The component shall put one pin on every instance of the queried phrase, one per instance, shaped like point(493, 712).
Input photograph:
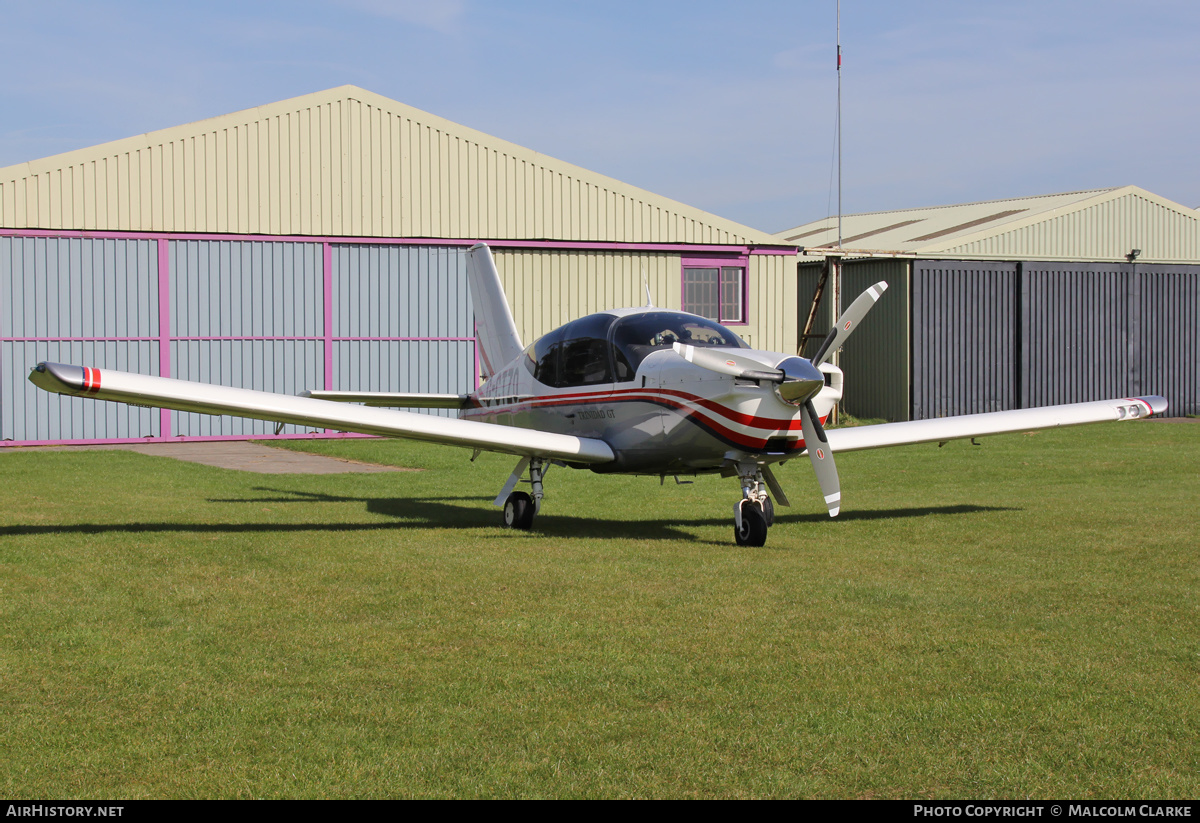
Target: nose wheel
point(749, 525)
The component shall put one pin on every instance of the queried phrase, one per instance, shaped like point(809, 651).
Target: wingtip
point(1157, 403)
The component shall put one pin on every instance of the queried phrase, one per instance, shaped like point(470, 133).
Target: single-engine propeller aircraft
point(635, 391)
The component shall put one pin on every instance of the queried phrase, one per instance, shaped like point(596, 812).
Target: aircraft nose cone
point(801, 382)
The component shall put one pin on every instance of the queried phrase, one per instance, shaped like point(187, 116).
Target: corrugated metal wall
point(995, 336)
point(1168, 335)
point(277, 316)
point(550, 287)
point(75, 300)
point(964, 343)
point(402, 320)
point(343, 162)
point(289, 315)
point(876, 357)
point(1094, 331)
point(1075, 319)
point(247, 314)
point(1108, 229)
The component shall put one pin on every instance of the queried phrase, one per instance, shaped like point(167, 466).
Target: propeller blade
point(724, 361)
point(822, 458)
point(848, 322)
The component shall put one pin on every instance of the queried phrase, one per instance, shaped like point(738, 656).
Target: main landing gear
point(755, 512)
point(520, 507)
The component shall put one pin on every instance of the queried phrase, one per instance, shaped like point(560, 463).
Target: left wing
point(394, 399)
point(184, 395)
point(978, 425)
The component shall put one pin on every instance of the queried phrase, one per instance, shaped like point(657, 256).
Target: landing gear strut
point(520, 507)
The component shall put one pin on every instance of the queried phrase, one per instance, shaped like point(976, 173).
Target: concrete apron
point(243, 456)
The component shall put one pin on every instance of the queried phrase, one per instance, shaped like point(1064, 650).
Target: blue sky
point(725, 106)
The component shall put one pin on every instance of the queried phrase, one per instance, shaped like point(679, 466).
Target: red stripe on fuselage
point(667, 398)
point(787, 424)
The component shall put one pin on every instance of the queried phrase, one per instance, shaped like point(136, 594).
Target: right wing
point(184, 395)
point(978, 425)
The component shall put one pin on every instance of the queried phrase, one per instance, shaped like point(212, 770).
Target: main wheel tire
point(753, 531)
point(518, 511)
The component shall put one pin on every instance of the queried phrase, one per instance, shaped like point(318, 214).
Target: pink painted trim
point(475, 352)
point(164, 327)
point(189, 439)
point(407, 339)
point(327, 313)
point(269, 337)
point(80, 339)
point(201, 339)
point(743, 248)
point(718, 260)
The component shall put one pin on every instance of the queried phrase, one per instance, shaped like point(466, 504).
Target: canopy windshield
point(637, 335)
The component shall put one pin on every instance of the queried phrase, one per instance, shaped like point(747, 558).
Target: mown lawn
point(1015, 619)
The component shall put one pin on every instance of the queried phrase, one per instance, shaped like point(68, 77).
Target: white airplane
point(644, 391)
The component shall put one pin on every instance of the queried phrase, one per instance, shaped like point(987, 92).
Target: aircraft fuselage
point(615, 377)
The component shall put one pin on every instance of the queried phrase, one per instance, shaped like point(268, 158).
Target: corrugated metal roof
point(1102, 224)
point(343, 162)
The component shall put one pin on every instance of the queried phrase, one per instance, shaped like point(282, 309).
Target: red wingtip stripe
point(91, 379)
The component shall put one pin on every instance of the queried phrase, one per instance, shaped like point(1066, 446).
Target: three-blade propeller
point(799, 382)
point(814, 434)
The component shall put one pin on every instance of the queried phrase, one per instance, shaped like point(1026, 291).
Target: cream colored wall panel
point(1105, 230)
point(549, 288)
point(341, 162)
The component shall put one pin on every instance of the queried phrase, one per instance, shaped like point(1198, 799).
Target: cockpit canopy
point(607, 348)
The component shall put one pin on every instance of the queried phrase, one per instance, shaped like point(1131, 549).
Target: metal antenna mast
point(838, 122)
point(836, 268)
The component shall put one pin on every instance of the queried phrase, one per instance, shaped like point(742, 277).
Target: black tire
point(768, 510)
point(518, 511)
point(754, 527)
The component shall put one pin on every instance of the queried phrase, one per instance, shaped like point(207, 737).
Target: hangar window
point(715, 289)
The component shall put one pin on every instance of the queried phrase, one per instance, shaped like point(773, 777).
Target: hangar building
point(1017, 303)
point(319, 242)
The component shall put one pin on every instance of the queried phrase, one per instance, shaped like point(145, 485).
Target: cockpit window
point(637, 335)
point(573, 355)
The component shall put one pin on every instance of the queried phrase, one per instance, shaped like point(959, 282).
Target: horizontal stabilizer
point(977, 425)
point(184, 395)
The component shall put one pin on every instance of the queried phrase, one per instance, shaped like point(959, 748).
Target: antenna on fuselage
point(646, 286)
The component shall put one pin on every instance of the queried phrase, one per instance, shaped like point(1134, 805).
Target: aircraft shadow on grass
point(444, 512)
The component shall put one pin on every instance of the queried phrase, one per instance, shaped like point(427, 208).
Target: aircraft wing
point(978, 425)
point(394, 399)
point(184, 395)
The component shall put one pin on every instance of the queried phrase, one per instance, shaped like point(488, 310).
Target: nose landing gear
point(755, 512)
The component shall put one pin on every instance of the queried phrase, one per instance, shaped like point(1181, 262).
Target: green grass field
point(1018, 619)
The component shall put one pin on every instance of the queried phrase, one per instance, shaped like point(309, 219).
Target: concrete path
point(242, 455)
